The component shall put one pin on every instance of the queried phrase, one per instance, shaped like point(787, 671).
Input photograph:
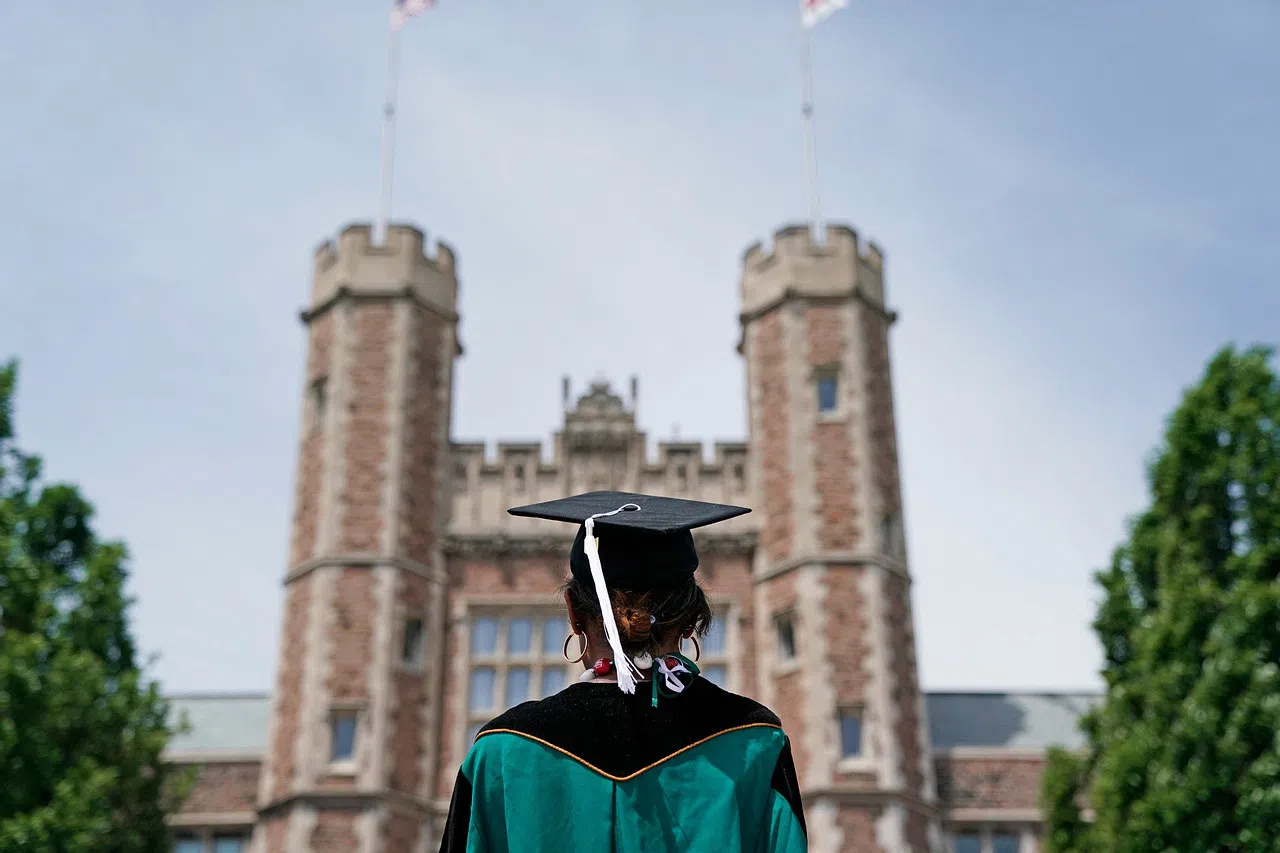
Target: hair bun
point(634, 623)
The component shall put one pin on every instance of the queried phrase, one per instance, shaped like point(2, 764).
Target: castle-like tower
point(352, 747)
point(832, 589)
point(416, 609)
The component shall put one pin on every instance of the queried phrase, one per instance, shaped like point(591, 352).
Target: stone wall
point(365, 547)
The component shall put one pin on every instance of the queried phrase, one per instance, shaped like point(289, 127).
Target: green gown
point(595, 769)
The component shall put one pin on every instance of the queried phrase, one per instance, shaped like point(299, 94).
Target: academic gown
point(594, 769)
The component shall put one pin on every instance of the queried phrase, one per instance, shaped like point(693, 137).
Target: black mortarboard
point(645, 546)
point(630, 542)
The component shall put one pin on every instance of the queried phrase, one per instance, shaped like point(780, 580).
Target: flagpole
point(806, 119)
point(388, 135)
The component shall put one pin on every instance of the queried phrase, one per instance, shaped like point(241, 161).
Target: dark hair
point(647, 618)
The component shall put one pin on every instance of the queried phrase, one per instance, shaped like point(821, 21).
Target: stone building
point(415, 609)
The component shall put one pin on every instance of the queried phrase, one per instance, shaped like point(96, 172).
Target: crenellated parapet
point(487, 479)
point(682, 467)
point(355, 265)
point(797, 266)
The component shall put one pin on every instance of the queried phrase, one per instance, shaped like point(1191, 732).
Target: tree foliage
point(1184, 752)
point(81, 730)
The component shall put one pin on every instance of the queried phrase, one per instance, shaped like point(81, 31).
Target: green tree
point(81, 730)
point(1184, 752)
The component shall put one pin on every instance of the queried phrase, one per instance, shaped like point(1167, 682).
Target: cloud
point(600, 173)
point(569, 187)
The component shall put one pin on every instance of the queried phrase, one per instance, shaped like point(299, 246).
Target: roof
point(1008, 720)
point(1024, 721)
point(222, 722)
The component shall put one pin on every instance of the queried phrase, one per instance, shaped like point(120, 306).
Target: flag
point(403, 10)
point(813, 11)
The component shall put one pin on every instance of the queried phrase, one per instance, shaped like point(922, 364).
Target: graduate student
point(642, 754)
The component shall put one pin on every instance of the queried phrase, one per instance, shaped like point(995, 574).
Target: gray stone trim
point(997, 815)
point(801, 412)
point(507, 545)
point(381, 677)
point(195, 820)
point(728, 544)
point(365, 294)
point(862, 797)
point(349, 799)
point(849, 558)
point(214, 756)
point(408, 292)
point(993, 753)
point(881, 689)
point(796, 294)
point(364, 561)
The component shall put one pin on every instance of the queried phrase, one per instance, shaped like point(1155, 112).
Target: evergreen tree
point(1184, 752)
point(81, 730)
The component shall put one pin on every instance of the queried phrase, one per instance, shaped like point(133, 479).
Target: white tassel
point(627, 672)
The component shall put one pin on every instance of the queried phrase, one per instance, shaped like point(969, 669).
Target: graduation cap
point(631, 542)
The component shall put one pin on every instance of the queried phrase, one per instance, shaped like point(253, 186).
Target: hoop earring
point(565, 651)
point(697, 649)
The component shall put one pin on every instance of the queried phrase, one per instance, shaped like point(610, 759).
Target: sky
point(1077, 201)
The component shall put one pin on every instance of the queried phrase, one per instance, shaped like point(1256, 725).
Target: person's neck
point(601, 651)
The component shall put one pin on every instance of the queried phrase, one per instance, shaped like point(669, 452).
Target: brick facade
point(395, 521)
point(282, 759)
point(857, 827)
point(409, 712)
point(426, 433)
point(767, 388)
point(728, 578)
point(224, 788)
point(815, 342)
point(351, 637)
point(451, 714)
point(365, 445)
point(848, 629)
point(881, 427)
point(334, 831)
point(835, 466)
point(909, 728)
point(990, 782)
point(365, 548)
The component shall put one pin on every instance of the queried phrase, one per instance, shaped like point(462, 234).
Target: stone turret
point(797, 266)
point(354, 263)
point(350, 763)
point(834, 629)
